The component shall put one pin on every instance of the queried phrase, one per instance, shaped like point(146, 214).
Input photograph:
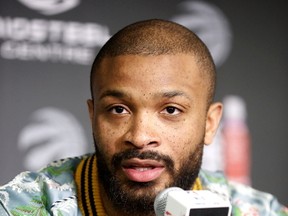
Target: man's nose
point(143, 132)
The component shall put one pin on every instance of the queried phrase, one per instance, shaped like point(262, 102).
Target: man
point(152, 111)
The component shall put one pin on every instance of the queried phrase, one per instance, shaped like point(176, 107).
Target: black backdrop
point(44, 76)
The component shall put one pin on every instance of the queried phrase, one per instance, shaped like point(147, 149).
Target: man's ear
point(214, 115)
point(91, 110)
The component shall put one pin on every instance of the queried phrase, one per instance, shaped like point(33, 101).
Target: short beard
point(124, 196)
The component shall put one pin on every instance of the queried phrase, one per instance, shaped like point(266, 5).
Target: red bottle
point(236, 140)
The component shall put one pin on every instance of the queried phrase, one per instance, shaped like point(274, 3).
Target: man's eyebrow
point(112, 93)
point(122, 94)
point(171, 94)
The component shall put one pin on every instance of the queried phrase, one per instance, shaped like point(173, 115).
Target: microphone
point(175, 201)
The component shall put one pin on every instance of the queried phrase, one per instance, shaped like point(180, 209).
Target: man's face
point(149, 119)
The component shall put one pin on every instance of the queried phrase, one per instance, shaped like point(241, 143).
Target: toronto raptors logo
point(50, 7)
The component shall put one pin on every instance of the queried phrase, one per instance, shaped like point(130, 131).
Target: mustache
point(149, 154)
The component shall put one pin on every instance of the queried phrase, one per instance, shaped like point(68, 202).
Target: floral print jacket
point(52, 191)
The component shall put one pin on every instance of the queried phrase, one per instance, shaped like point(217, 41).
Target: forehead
point(178, 65)
point(149, 72)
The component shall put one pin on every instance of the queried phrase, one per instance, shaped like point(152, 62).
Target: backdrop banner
point(47, 47)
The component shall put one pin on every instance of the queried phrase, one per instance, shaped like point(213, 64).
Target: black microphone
point(175, 201)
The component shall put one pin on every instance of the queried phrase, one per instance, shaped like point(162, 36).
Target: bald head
point(158, 37)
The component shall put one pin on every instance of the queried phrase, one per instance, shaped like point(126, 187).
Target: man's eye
point(171, 110)
point(118, 110)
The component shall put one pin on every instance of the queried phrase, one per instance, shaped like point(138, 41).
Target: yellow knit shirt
point(86, 178)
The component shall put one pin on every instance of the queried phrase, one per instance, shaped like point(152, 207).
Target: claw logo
point(56, 132)
point(50, 7)
point(210, 24)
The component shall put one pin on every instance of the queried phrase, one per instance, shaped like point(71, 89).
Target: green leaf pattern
point(51, 191)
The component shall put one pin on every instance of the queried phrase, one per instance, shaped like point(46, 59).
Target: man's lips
point(142, 170)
